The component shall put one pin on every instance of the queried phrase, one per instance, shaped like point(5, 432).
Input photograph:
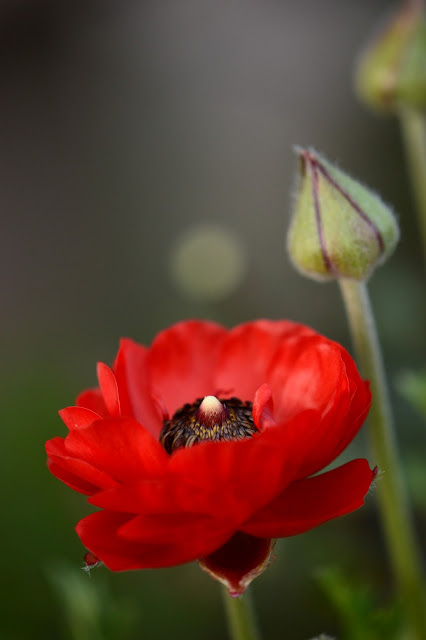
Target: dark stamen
point(192, 424)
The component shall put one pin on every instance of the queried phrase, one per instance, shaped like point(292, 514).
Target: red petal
point(99, 532)
point(226, 480)
point(181, 361)
point(109, 390)
point(92, 399)
point(71, 480)
point(310, 502)
point(315, 372)
point(263, 407)
point(334, 432)
point(174, 529)
point(131, 372)
point(122, 448)
point(244, 474)
point(305, 374)
point(239, 561)
point(169, 494)
point(77, 417)
point(359, 404)
point(246, 355)
point(77, 474)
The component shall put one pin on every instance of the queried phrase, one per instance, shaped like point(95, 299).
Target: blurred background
point(146, 176)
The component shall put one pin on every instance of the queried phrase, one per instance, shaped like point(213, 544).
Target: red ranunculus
point(290, 401)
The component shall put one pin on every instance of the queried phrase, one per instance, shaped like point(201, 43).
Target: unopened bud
point(339, 228)
point(391, 72)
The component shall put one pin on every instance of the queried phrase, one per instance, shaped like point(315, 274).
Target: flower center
point(210, 419)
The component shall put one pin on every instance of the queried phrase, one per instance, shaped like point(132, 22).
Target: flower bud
point(391, 72)
point(339, 228)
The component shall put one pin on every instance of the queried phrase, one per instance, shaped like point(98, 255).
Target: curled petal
point(263, 406)
point(306, 373)
point(77, 417)
point(109, 389)
point(323, 378)
point(307, 503)
point(92, 399)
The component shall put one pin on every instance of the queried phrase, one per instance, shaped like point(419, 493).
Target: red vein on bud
point(357, 208)
point(312, 168)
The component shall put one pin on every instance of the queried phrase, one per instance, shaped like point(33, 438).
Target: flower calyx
point(339, 228)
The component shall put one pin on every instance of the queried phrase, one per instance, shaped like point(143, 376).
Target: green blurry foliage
point(356, 606)
point(412, 386)
point(91, 612)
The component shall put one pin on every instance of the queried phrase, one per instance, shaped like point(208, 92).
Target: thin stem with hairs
point(391, 493)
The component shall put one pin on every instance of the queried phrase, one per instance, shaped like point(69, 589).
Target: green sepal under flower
point(391, 72)
point(339, 228)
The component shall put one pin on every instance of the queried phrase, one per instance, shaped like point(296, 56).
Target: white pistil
point(211, 411)
point(211, 408)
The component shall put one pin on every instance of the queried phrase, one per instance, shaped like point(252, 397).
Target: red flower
point(292, 398)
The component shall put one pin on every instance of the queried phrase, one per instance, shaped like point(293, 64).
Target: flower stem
point(391, 494)
point(413, 125)
point(241, 619)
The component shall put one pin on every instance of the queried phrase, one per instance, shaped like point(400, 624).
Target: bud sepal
point(339, 228)
point(391, 71)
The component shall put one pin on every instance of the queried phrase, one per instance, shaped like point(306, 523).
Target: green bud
point(339, 228)
point(391, 72)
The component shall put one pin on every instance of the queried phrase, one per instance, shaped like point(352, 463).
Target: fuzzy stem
point(413, 125)
point(241, 618)
point(391, 494)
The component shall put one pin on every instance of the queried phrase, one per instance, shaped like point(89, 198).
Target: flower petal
point(246, 355)
point(174, 529)
point(99, 532)
point(225, 480)
point(181, 361)
point(71, 480)
point(77, 417)
point(121, 448)
point(263, 406)
point(306, 373)
point(78, 474)
point(166, 495)
point(324, 377)
point(109, 390)
point(131, 372)
point(359, 403)
point(310, 502)
point(92, 399)
point(241, 475)
point(334, 432)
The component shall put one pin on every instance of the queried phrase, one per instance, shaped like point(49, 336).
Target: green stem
point(393, 503)
point(413, 125)
point(241, 619)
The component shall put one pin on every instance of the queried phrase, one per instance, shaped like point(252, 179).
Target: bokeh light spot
point(208, 263)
